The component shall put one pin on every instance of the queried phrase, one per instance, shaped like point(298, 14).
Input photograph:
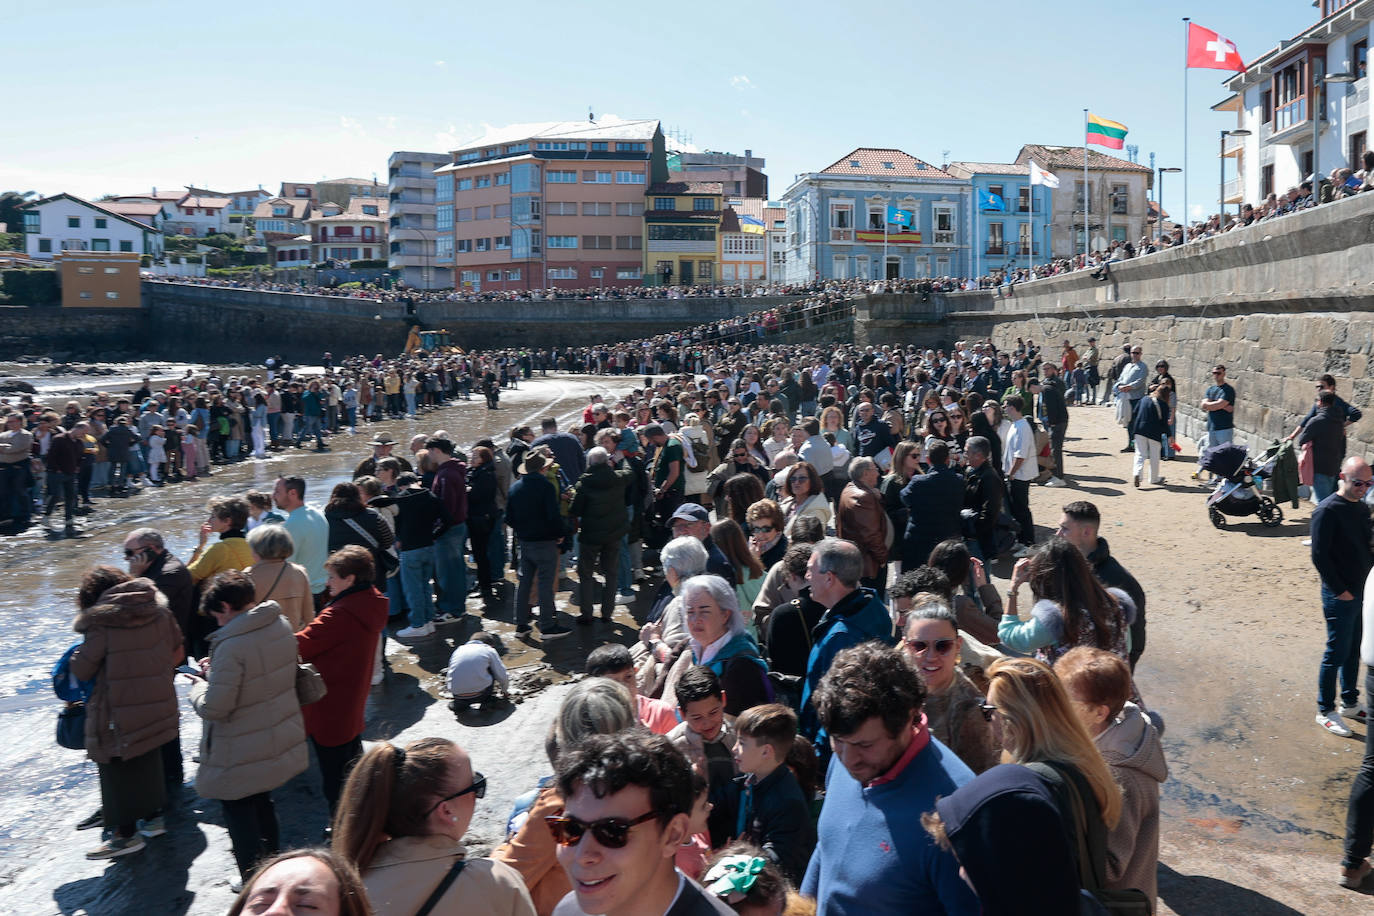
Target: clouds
point(742, 83)
point(441, 65)
point(351, 125)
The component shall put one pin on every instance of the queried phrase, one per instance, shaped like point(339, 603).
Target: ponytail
point(389, 794)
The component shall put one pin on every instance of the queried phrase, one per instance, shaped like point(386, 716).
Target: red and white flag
point(1209, 51)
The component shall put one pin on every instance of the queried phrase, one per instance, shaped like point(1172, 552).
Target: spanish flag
point(1106, 133)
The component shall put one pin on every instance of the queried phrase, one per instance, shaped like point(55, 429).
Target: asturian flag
point(898, 217)
point(1042, 176)
point(990, 201)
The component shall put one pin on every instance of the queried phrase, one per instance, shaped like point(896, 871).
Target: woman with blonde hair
point(401, 821)
point(1036, 724)
point(832, 421)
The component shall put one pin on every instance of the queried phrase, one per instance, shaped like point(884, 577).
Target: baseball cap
point(692, 512)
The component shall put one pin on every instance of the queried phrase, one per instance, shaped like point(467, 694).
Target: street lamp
point(1159, 218)
point(1317, 80)
point(1221, 188)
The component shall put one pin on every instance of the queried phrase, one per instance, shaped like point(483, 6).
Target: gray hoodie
point(1131, 748)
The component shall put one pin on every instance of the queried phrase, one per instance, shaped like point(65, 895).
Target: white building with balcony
point(352, 233)
point(65, 222)
point(410, 190)
point(1305, 103)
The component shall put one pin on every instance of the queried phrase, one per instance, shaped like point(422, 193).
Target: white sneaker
point(1332, 723)
point(1356, 712)
point(1307, 542)
point(625, 599)
point(416, 632)
point(1055, 482)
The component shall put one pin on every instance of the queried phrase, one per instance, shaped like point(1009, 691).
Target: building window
point(86, 294)
point(629, 177)
point(483, 245)
point(703, 204)
point(1357, 148)
point(443, 217)
point(562, 177)
point(562, 273)
point(629, 242)
point(944, 225)
point(596, 242)
point(525, 178)
point(1290, 95)
point(672, 233)
point(839, 267)
point(629, 273)
point(482, 181)
point(513, 274)
point(629, 147)
point(481, 213)
point(1359, 58)
point(1024, 237)
point(100, 244)
point(443, 247)
point(101, 223)
point(1022, 199)
point(517, 148)
point(1119, 199)
point(562, 241)
point(501, 243)
point(596, 209)
point(994, 238)
point(1266, 106)
point(463, 215)
point(500, 211)
point(85, 270)
point(562, 208)
point(369, 209)
point(1078, 197)
point(1118, 233)
point(33, 221)
point(842, 222)
point(502, 178)
point(591, 176)
point(665, 203)
point(471, 276)
point(73, 222)
point(465, 246)
point(624, 208)
point(45, 246)
point(465, 184)
point(111, 294)
point(443, 188)
point(126, 245)
point(599, 146)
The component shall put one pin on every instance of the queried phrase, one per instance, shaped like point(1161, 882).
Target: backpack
point(65, 685)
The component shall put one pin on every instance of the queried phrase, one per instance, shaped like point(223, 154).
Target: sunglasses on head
point(611, 832)
point(940, 646)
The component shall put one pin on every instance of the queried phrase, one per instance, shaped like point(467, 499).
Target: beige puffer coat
point(254, 737)
point(131, 649)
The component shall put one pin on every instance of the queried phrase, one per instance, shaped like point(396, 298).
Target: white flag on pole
point(1041, 176)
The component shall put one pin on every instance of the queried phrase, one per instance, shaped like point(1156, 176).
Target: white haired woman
point(720, 641)
point(665, 630)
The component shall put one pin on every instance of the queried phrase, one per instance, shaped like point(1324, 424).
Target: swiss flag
point(1209, 51)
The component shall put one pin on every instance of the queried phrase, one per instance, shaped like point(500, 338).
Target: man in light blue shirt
point(1131, 386)
point(309, 532)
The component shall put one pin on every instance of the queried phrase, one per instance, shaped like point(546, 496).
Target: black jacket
point(1341, 532)
point(342, 534)
point(789, 633)
point(775, 816)
point(600, 504)
point(482, 491)
point(983, 494)
point(532, 509)
point(933, 501)
point(1326, 432)
point(419, 517)
point(1056, 411)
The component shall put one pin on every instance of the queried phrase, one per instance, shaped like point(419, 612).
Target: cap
point(382, 439)
point(691, 512)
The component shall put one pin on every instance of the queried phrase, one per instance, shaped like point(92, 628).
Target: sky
point(128, 96)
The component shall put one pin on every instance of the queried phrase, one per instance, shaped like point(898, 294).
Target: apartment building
point(553, 204)
point(355, 232)
point(411, 236)
point(682, 226)
point(65, 222)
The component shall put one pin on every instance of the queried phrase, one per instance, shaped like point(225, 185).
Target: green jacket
point(600, 504)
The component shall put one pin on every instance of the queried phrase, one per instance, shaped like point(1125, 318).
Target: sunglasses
point(130, 554)
point(941, 646)
point(478, 788)
point(1357, 482)
point(610, 832)
point(761, 529)
point(987, 709)
point(741, 455)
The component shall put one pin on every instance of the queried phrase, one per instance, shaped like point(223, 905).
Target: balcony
point(1234, 146)
point(841, 235)
point(943, 238)
point(996, 249)
point(1234, 189)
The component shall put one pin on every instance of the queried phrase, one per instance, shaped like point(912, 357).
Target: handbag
point(391, 562)
point(310, 686)
point(449, 877)
point(71, 726)
point(1306, 466)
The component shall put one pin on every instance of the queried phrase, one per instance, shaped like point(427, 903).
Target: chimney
point(748, 154)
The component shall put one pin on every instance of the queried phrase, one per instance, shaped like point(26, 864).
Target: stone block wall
point(85, 334)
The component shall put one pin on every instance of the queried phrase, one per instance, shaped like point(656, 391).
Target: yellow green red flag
point(1103, 132)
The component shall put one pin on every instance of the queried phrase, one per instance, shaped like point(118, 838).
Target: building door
point(685, 273)
point(894, 268)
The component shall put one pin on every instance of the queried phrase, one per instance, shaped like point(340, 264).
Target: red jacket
point(341, 643)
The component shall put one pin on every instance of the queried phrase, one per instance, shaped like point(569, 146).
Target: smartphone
point(187, 669)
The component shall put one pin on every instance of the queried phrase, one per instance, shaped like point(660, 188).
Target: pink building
point(557, 204)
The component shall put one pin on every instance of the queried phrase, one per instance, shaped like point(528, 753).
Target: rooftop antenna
point(944, 153)
point(1132, 152)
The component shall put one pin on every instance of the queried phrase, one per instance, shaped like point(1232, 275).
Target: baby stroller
point(1237, 493)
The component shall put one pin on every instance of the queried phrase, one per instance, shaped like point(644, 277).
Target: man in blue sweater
point(532, 510)
point(872, 855)
point(1341, 533)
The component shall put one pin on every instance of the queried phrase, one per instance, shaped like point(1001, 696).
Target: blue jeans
point(1323, 485)
point(537, 558)
point(310, 426)
point(395, 595)
point(1216, 437)
point(15, 499)
point(1342, 655)
point(417, 568)
point(274, 426)
point(451, 565)
point(410, 403)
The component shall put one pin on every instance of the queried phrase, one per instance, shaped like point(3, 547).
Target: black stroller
point(1237, 493)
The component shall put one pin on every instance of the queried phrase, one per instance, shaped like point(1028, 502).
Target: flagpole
point(1087, 198)
point(1030, 234)
point(1186, 20)
point(885, 219)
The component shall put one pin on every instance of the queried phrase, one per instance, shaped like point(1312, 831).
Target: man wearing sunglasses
point(628, 807)
point(1341, 532)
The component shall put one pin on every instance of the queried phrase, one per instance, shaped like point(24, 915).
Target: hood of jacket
point(129, 604)
point(599, 477)
point(1132, 742)
point(254, 618)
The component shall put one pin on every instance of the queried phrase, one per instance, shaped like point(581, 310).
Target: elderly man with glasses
point(1341, 534)
point(1130, 384)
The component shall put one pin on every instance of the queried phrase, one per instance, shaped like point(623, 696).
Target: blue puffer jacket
point(858, 617)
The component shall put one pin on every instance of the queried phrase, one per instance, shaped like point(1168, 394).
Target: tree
point(11, 204)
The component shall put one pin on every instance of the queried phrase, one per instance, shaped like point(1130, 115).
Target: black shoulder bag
point(452, 875)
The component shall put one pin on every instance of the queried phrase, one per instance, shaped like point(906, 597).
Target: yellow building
point(682, 222)
point(99, 279)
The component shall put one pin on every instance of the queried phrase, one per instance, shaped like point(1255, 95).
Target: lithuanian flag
point(1106, 133)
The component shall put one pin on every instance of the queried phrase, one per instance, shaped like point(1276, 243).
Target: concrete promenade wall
point(88, 333)
point(1278, 303)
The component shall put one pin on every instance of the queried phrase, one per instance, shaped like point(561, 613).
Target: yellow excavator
point(431, 342)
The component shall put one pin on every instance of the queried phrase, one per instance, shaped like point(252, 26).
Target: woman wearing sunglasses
point(953, 706)
point(401, 820)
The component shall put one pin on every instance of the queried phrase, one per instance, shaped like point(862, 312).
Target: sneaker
point(1055, 482)
point(623, 598)
point(1356, 712)
point(1354, 877)
point(1136, 481)
point(558, 632)
point(416, 632)
point(153, 826)
point(444, 617)
point(1307, 542)
point(1332, 723)
point(524, 630)
point(235, 883)
point(93, 820)
point(117, 846)
point(378, 676)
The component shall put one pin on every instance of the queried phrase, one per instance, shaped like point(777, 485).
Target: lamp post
point(1319, 113)
point(1160, 218)
point(1221, 188)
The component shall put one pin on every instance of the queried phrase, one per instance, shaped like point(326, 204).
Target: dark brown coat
point(131, 648)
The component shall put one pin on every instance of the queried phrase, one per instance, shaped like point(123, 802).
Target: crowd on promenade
point(829, 707)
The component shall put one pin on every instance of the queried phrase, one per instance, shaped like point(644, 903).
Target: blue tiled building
point(1001, 238)
point(835, 219)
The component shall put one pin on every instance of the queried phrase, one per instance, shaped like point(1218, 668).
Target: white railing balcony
point(841, 235)
point(1233, 191)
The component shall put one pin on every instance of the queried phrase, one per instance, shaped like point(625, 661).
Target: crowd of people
point(829, 707)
